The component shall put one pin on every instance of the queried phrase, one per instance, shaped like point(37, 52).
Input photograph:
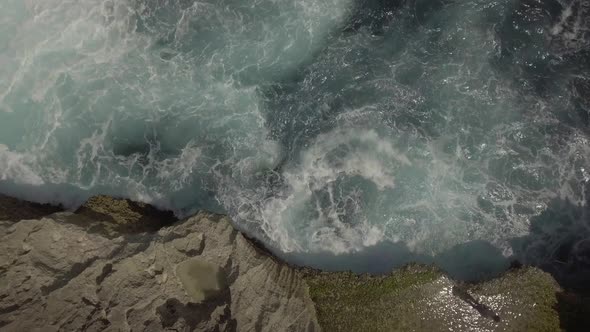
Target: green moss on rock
point(112, 216)
point(422, 298)
point(348, 302)
point(413, 298)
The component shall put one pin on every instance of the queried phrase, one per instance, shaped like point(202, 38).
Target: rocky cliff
point(117, 265)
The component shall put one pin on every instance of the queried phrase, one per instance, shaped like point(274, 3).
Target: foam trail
point(316, 209)
point(328, 129)
point(114, 94)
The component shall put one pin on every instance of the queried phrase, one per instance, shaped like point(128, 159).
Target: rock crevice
point(116, 265)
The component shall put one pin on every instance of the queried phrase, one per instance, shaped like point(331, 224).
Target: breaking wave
point(320, 126)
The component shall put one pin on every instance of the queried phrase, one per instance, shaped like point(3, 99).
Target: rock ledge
point(117, 265)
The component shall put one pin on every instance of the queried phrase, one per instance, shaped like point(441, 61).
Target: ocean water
point(327, 129)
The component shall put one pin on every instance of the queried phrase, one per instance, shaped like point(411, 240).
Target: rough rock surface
point(422, 298)
point(199, 274)
point(116, 265)
point(113, 217)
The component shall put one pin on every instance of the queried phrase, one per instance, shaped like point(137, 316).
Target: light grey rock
point(118, 265)
point(199, 274)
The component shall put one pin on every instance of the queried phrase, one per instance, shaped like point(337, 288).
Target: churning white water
point(323, 127)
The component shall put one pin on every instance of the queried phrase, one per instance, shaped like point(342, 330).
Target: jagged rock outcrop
point(116, 265)
point(199, 274)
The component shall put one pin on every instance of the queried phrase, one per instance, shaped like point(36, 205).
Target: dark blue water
point(328, 129)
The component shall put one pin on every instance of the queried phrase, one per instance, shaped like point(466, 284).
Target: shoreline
point(415, 296)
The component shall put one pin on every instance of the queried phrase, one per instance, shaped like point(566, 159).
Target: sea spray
point(321, 127)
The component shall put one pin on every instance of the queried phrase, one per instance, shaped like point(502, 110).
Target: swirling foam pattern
point(318, 125)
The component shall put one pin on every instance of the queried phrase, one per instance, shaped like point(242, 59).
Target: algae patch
point(348, 302)
point(422, 298)
point(112, 216)
point(202, 280)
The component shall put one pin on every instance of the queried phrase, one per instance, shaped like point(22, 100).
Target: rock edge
point(113, 266)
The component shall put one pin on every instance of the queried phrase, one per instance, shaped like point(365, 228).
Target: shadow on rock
point(195, 316)
point(14, 209)
point(559, 243)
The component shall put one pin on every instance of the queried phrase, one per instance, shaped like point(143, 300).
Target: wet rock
point(113, 216)
point(61, 273)
point(422, 298)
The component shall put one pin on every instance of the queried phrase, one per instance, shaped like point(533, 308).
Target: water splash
point(319, 126)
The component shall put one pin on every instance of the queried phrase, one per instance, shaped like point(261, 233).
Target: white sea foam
point(429, 132)
point(15, 166)
point(103, 105)
point(314, 211)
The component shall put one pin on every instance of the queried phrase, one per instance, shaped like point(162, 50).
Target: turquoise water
point(320, 126)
